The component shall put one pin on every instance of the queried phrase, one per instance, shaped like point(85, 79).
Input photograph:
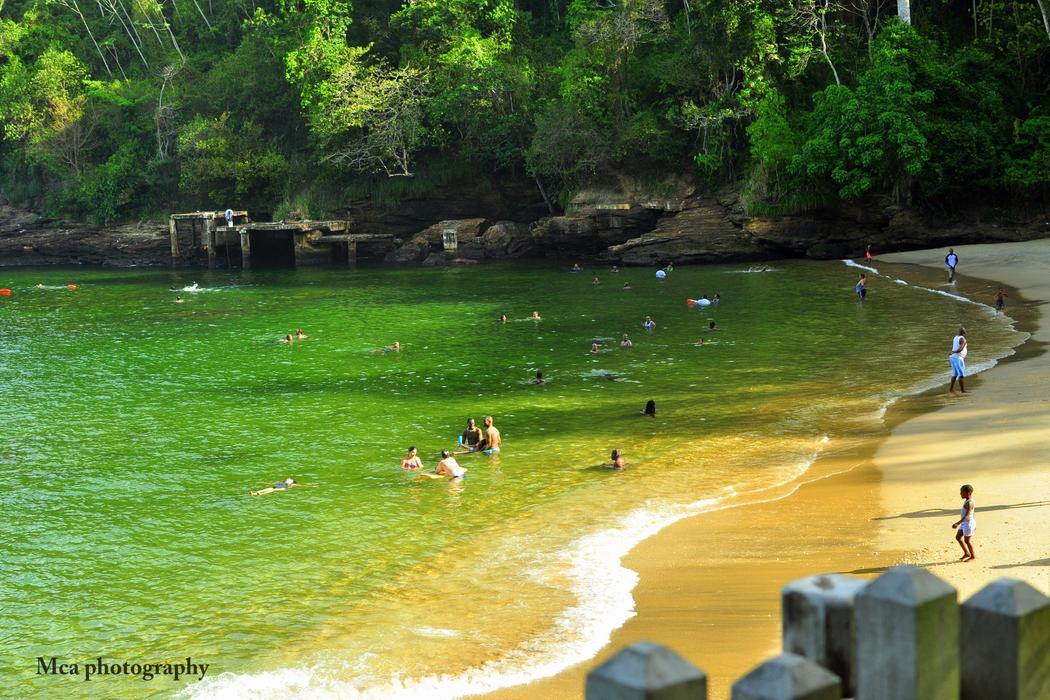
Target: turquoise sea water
point(132, 429)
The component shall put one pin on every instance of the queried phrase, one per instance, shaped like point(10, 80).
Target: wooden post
point(907, 637)
point(351, 252)
point(788, 677)
point(173, 237)
point(817, 619)
point(646, 671)
point(246, 249)
point(1006, 643)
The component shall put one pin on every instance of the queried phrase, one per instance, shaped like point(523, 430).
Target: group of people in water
point(472, 440)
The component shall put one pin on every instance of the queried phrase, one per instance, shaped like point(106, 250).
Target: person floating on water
point(299, 335)
point(536, 316)
point(595, 348)
point(39, 285)
point(862, 287)
point(471, 437)
point(618, 462)
point(957, 358)
point(650, 409)
point(867, 253)
point(626, 342)
point(576, 268)
point(649, 324)
point(1000, 300)
point(614, 269)
point(699, 342)
point(966, 523)
point(178, 300)
point(396, 347)
point(279, 486)
point(448, 466)
point(627, 285)
point(493, 440)
point(538, 379)
point(286, 340)
point(951, 260)
point(411, 461)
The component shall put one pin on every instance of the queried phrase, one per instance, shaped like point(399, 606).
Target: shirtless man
point(493, 440)
point(448, 466)
point(471, 436)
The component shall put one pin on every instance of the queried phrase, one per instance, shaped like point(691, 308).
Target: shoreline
point(720, 609)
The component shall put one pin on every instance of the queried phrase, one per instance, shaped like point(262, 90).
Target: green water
point(132, 428)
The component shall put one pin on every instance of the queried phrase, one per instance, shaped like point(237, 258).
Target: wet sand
point(709, 585)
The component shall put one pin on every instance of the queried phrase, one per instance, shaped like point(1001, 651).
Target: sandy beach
point(709, 585)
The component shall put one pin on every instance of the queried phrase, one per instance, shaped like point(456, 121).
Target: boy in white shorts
point(966, 523)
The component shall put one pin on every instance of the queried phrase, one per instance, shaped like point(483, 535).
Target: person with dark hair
point(966, 523)
point(862, 287)
point(538, 379)
point(957, 358)
point(448, 466)
point(279, 486)
point(471, 437)
point(618, 462)
point(411, 461)
point(951, 260)
point(650, 408)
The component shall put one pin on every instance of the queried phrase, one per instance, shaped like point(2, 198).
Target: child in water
point(966, 523)
point(618, 462)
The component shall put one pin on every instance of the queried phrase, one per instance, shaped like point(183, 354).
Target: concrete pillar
point(817, 621)
point(907, 626)
point(209, 241)
point(646, 671)
point(246, 250)
point(173, 238)
point(788, 677)
point(1005, 643)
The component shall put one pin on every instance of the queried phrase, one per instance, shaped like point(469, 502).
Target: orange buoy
point(72, 286)
point(5, 292)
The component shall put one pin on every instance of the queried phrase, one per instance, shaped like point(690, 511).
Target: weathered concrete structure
point(817, 622)
point(788, 677)
point(248, 244)
point(647, 671)
point(1005, 642)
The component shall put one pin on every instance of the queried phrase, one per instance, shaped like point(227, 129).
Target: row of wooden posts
point(903, 636)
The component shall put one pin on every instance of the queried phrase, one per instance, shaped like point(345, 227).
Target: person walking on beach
point(966, 523)
point(867, 254)
point(1000, 301)
point(951, 260)
point(957, 358)
point(493, 440)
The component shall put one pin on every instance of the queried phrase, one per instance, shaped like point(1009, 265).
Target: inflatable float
point(698, 302)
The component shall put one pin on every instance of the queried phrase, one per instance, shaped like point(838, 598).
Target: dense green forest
point(123, 109)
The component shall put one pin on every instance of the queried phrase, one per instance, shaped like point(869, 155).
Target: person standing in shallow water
point(862, 287)
point(957, 358)
point(493, 440)
point(951, 260)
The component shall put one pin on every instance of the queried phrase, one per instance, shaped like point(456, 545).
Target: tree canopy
point(119, 109)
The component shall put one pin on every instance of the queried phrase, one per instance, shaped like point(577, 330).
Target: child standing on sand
point(966, 523)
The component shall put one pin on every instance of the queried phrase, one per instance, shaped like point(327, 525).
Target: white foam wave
point(851, 263)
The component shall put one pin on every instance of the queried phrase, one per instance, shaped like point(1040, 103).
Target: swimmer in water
point(299, 335)
point(699, 342)
point(711, 326)
point(178, 300)
point(448, 466)
point(614, 269)
point(279, 486)
point(538, 379)
point(650, 409)
point(39, 285)
point(411, 461)
point(717, 299)
point(626, 342)
point(618, 462)
point(595, 282)
point(595, 349)
point(536, 316)
point(862, 287)
point(503, 318)
point(649, 323)
point(627, 285)
point(286, 340)
point(396, 347)
point(575, 268)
